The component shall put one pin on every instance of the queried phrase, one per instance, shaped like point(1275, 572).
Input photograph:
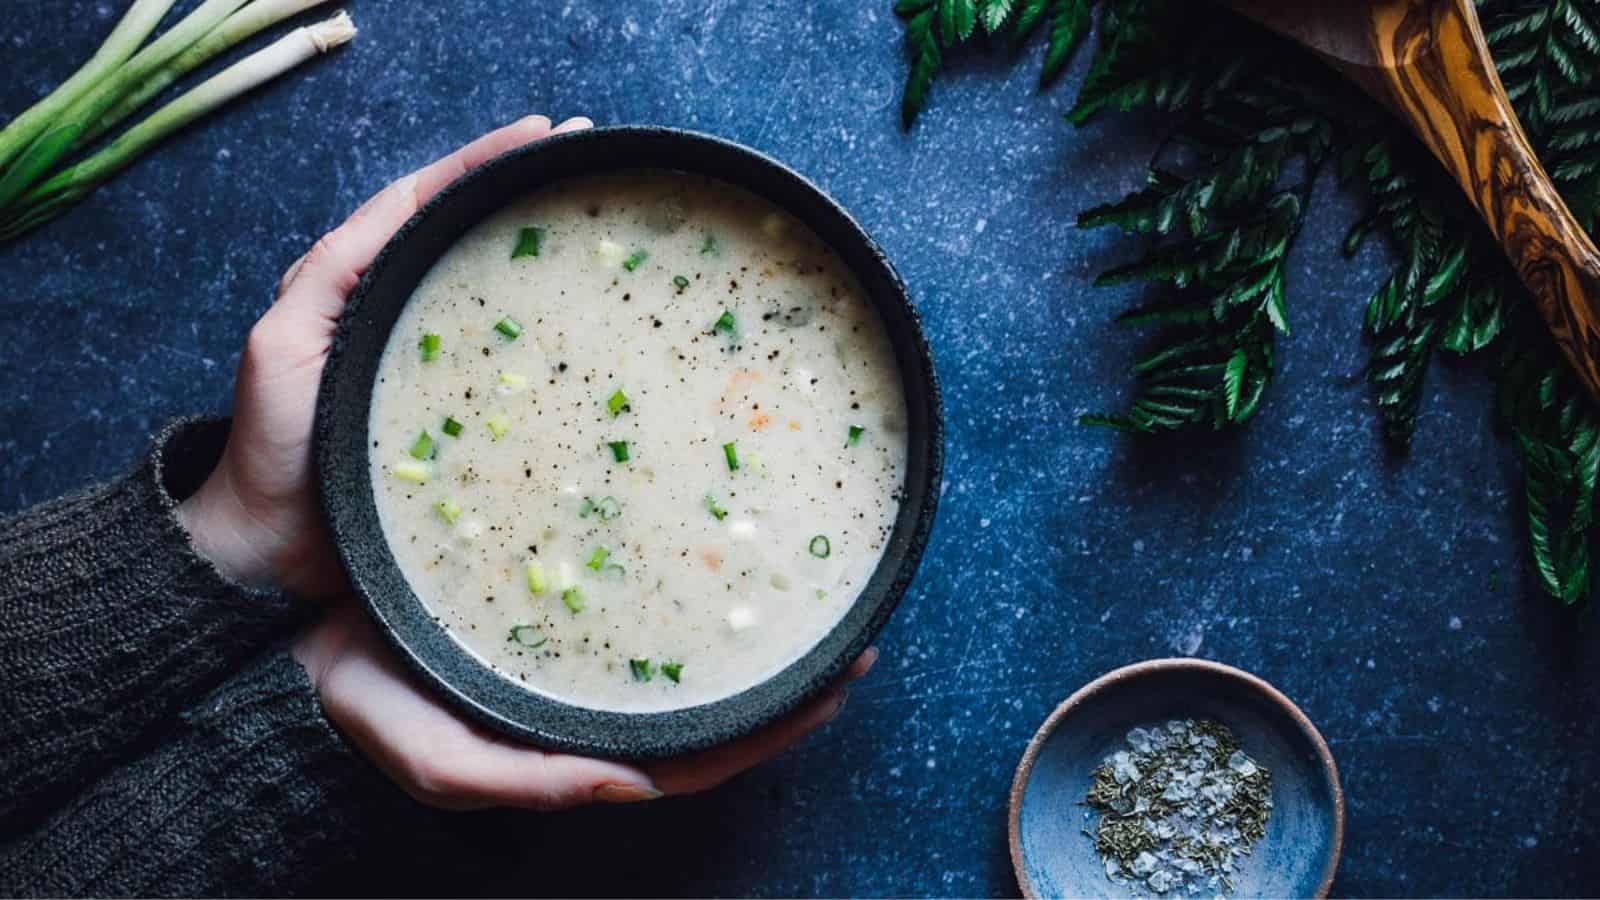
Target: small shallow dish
point(1300, 852)
point(345, 398)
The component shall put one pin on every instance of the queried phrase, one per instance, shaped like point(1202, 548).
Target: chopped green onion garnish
point(680, 282)
point(449, 510)
point(641, 669)
point(607, 507)
point(429, 345)
point(597, 559)
point(614, 569)
point(525, 634)
point(513, 379)
point(820, 546)
point(410, 470)
point(672, 670)
point(855, 436)
point(710, 246)
point(619, 450)
point(731, 454)
point(508, 327)
point(451, 427)
point(725, 323)
point(618, 402)
point(573, 598)
point(499, 424)
point(528, 240)
point(714, 509)
point(635, 260)
point(534, 571)
point(422, 447)
point(822, 594)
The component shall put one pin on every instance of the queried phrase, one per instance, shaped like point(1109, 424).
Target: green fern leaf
point(926, 59)
point(1233, 381)
point(1068, 24)
point(957, 19)
point(994, 14)
point(1029, 15)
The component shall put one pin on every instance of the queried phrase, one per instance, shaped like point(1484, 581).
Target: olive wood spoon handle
point(1428, 62)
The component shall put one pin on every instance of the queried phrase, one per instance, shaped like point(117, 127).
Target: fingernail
point(871, 657)
point(624, 793)
point(837, 707)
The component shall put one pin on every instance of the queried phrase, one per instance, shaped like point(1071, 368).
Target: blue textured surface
point(1290, 860)
point(1389, 599)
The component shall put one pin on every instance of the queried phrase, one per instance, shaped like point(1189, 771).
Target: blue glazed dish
point(1300, 852)
point(344, 404)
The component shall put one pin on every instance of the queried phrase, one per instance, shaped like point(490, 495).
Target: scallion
point(680, 282)
point(718, 512)
point(451, 426)
point(411, 470)
point(641, 669)
point(499, 424)
point(429, 345)
point(528, 241)
point(26, 201)
point(422, 447)
point(635, 260)
point(731, 454)
point(607, 508)
point(619, 450)
point(673, 670)
point(597, 559)
point(533, 572)
point(509, 327)
point(618, 403)
point(573, 598)
point(524, 635)
point(855, 436)
point(726, 324)
point(710, 246)
point(448, 510)
point(820, 546)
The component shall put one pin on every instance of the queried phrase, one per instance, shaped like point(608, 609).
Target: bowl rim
point(459, 676)
point(1019, 781)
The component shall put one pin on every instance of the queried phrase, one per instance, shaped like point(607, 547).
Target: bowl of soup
point(630, 441)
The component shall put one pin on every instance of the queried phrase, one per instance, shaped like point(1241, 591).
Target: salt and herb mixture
point(1179, 808)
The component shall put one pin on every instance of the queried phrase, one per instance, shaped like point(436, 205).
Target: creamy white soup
point(638, 441)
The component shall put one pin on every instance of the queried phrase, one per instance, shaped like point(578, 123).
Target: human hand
point(447, 762)
point(257, 517)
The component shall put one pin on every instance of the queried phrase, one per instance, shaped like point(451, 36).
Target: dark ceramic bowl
point(1296, 858)
point(346, 394)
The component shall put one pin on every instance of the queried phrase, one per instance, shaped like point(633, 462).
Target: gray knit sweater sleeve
point(156, 738)
point(110, 624)
point(251, 793)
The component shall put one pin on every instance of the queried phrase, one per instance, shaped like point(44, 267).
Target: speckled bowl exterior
point(345, 399)
point(1300, 852)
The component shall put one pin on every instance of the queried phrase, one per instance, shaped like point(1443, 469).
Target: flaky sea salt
point(1179, 808)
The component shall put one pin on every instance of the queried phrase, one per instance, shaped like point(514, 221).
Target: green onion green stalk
point(121, 78)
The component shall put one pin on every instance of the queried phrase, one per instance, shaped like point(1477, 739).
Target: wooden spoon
point(1427, 61)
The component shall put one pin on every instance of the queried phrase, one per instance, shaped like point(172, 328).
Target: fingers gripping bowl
point(630, 440)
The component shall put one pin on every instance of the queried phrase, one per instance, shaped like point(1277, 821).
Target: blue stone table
point(1388, 597)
